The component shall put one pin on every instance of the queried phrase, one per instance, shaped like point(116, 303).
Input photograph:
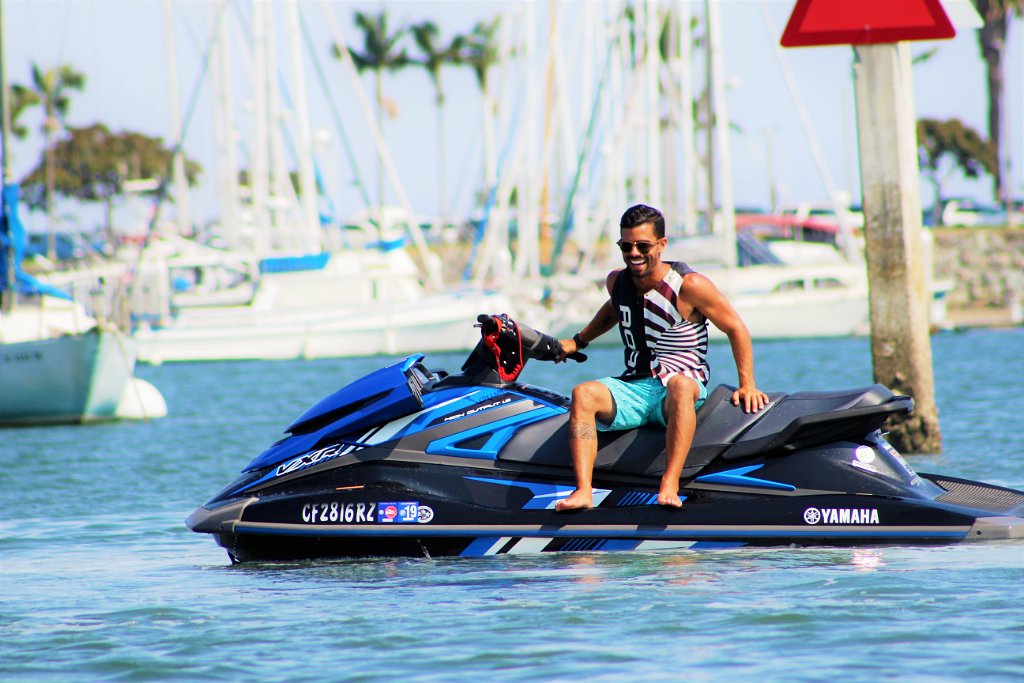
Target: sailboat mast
point(311, 241)
point(259, 183)
point(652, 122)
point(5, 165)
point(223, 129)
point(528, 262)
point(181, 199)
point(721, 141)
point(5, 104)
point(686, 125)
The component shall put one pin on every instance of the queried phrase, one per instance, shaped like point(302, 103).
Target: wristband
point(580, 344)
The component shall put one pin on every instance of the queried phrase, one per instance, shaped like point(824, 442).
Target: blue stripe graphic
point(635, 498)
point(500, 432)
point(738, 477)
point(480, 546)
point(620, 544)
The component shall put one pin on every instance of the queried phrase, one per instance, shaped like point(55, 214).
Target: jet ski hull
point(434, 510)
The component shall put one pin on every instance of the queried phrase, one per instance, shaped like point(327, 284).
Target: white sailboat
point(356, 302)
point(57, 364)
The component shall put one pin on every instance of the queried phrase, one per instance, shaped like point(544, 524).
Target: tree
point(52, 88)
point(381, 52)
point(434, 56)
point(92, 164)
point(992, 41)
point(22, 98)
point(481, 50)
point(945, 146)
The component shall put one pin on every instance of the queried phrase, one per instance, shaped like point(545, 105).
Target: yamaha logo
point(833, 516)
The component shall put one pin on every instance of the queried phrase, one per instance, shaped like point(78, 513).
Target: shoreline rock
point(986, 267)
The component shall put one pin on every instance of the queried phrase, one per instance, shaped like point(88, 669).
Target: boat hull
point(433, 324)
point(64, 380)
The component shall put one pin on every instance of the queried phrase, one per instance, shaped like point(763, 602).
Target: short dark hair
point(640, 214)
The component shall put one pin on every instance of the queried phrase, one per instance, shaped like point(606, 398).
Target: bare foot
point(669, 497)
point(577, 500)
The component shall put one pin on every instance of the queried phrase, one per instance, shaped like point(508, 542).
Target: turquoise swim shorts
point(638, 402)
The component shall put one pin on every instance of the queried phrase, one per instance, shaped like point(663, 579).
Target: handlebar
point(536, 344)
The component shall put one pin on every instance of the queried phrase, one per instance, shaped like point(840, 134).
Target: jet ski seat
point(639, 451)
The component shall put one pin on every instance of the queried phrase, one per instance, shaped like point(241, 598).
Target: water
point(100, 580)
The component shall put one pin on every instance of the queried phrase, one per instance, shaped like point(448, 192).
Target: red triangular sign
point(864, 22)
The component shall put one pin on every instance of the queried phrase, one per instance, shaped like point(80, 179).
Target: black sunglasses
point(642, 247)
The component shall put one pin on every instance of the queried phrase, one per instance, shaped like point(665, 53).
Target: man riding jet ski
point(408, 461)
point(662, 310)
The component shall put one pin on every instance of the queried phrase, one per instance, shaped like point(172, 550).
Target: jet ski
point(409, 461)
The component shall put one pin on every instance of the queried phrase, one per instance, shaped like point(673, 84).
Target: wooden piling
point(900, 343)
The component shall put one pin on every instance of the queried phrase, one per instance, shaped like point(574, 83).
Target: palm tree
point(992, 41)
point(52, 89)
point(381, 52)
point(481, 53)
point(22, 98)
point(434, 57)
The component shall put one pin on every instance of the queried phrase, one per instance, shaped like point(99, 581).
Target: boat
point(789, 291)
point(791, 281)
point(410, 461)
point(785, 286)
point(58, 364)
point(63, 377)
point(198, 304)
point(797, 302)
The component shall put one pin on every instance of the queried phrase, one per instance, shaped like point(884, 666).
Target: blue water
point(100, 580)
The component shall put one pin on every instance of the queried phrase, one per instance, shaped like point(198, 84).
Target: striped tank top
point(658, 341)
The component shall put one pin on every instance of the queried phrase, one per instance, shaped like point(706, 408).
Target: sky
point(120, 45)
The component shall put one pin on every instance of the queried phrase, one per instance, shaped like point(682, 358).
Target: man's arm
point(702, 294)
point(603, 321)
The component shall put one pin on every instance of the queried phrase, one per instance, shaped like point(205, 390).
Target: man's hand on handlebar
point(568, 346)
point(569, 350)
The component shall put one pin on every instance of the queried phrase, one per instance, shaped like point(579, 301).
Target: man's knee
point(682, 392)
point(588, 398)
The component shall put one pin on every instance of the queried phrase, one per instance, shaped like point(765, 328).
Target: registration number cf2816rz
point(339, 513)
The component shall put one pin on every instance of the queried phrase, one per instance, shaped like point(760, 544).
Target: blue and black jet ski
point(409, 461)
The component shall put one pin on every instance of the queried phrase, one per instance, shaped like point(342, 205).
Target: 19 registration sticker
point(398, 513)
